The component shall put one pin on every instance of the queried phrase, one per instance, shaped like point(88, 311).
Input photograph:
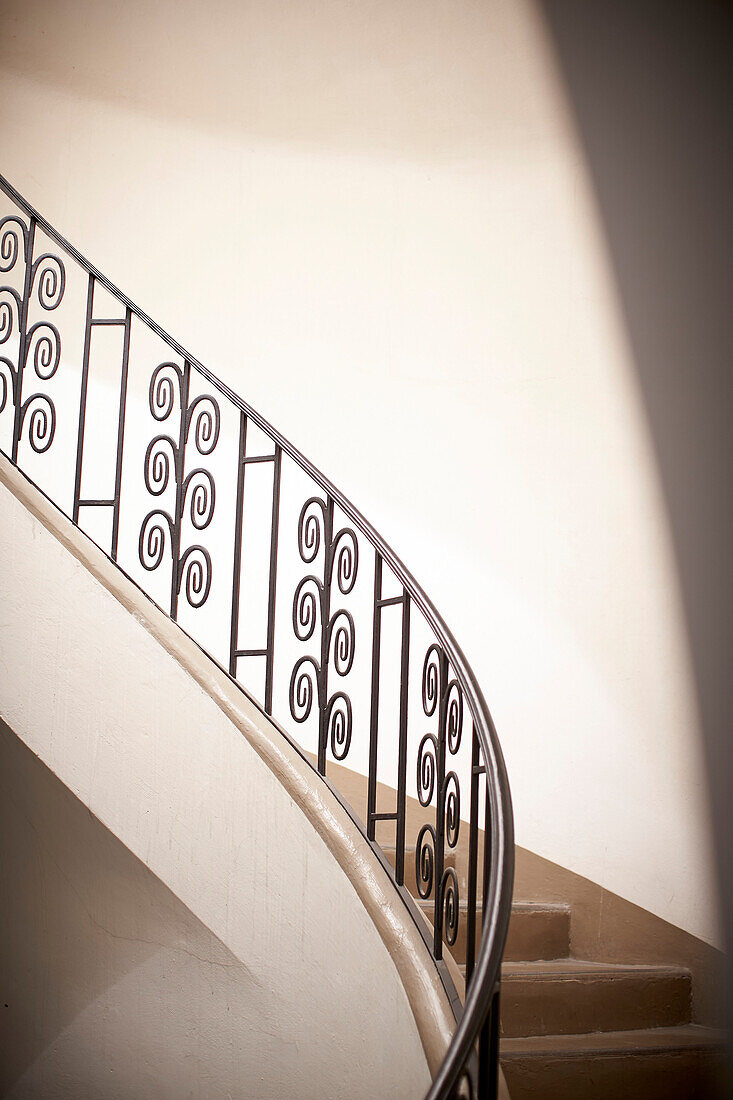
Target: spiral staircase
point(188, 507)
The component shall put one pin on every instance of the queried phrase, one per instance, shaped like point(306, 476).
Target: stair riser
point(682, 1075)
point(579, 1004)
point(538, 934)
point(411, 872)
point(533, 935)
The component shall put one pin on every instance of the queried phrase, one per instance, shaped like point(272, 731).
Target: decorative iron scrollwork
point(451, 905)
point(12, 231)
point(11, 308)
point(41, 342)
point(191, 569)
point(184, 495)
point(441, 697)
point(425, 860)
point(311, 606)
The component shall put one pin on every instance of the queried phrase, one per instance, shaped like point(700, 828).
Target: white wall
point(111, 986)
point(314, 994)
point(374, 221)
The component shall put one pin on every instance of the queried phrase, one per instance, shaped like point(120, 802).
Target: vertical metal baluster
point(484, 1057)
point(489, 1035)
point(274, 530)
point(180, 470)
point(440, 809)
point(121, 433)
point(488, 1051)
point(494, 1025)
point(472, 860)
point(374, 716)
point(325, 634)
point(402, 761)
point(23, 335)
point(487, 857)
point(238, 519)
point(83, 397)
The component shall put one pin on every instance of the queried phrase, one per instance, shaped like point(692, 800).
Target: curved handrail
point(471, 1063)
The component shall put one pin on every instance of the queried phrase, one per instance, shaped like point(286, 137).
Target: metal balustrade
point(418, 696)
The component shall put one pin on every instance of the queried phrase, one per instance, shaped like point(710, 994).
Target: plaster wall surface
point(237, 898)
point(111, 987)
point(375, 222)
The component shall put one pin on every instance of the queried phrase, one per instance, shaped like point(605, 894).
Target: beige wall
point(374, 221)
point(111, 986)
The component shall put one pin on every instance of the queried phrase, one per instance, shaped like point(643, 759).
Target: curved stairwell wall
point(376, 223)
point(189, 819)
point(113, 987)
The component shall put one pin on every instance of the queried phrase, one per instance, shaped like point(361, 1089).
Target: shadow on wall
point(109, 983)
point(271, 80)
point(651, 85)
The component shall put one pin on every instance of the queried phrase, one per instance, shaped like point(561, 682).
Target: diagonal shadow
point(84, 921)
point(651, 85)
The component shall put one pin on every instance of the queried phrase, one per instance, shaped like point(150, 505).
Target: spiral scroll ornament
point(44, 340)
point(13, 242)
point(431, 675)
point(306, 603)
point(427, 763)
point(10, 315)
point(39, 413)
point(195, 491)
point(451, 905)
point(442, 700)
point(311, 612)
point(44, 282)
point(341, 641)
point(152, 541)
point(48, 276)
point(339, 724)
point(425, 860)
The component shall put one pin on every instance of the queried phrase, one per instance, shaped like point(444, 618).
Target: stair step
point(536, 931)
point(656, 1064)
point(570, 996)
point(410, 872)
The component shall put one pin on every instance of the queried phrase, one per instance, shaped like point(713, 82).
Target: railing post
point(472, 859)
point(402, 749)
point(180, 465)
point(325, 633)
point(443, 688)
point(23, 336)
point(121, 433)
point(488, 1051)
point(237, 569)
point(374, 713)
point(272, 586)
point(83, 396)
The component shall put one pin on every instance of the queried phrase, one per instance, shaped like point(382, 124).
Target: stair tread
point(539, 907)
point(521, 907)
point(578, 969)
point(642, 1040)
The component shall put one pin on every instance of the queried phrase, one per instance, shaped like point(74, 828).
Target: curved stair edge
point(434, 1010)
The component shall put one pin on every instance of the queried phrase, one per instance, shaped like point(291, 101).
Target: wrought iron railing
point(206, 506)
